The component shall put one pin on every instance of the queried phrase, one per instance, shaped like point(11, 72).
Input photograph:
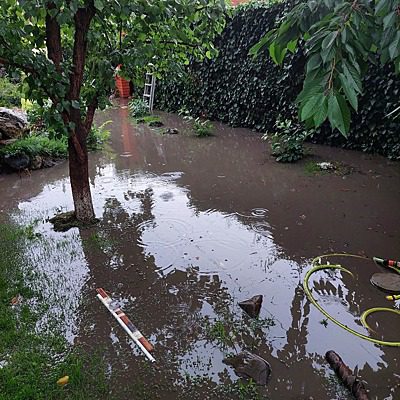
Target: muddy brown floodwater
point(189, 227)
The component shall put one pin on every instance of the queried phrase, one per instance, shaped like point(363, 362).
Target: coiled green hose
point(365, 314)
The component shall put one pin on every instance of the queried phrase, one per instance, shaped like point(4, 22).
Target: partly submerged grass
point(37, 145)
point(32, 362)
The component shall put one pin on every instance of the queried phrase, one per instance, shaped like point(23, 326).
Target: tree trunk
point(79, 177)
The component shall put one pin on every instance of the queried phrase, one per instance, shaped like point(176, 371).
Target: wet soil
point(191, 226)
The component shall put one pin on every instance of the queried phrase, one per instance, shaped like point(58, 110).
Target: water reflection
point(187, 229)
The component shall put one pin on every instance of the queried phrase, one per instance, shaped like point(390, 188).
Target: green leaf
point(349, 91)
point(394, 47)
point(389, 20)
point(329, 40)
point(99, 4)
point(321, 112)
point(338, 113)
point(75, 104)
point(313, 63)
point(352, 76)
point(291, 46)
point(311, 106)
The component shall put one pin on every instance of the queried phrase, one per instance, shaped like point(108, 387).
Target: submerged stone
point(252, 306)
point(250, 366)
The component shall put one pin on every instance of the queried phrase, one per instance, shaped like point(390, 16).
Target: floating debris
point(63, 381)
point(16, 300)
point(325, 166)
point(250, 366)
point(171, 131)
point(252, 306)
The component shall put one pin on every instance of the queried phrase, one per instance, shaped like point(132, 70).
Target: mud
point(191, 226)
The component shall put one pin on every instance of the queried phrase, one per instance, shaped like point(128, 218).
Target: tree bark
point(77, 148)
point(79, 177)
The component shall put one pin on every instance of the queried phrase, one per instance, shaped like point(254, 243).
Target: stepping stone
point(386, 281)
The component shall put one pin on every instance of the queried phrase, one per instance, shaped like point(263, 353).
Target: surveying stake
point(126, 323)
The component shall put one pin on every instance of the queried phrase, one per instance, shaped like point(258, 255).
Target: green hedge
point(242, 91)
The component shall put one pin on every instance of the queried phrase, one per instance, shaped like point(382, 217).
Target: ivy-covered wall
point(242, 91)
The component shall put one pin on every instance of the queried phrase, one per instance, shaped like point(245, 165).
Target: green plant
point(98, 135)
point(69, 55)
point(287, 141)
point(201, 127)
point(251, 92)
point(338, 38)
point(37, 145)
point(243, 390)
point(10, 93)
point(138, 108)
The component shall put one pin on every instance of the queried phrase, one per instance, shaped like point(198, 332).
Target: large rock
point(13, 123)
point(250, 366)
point(17, 162)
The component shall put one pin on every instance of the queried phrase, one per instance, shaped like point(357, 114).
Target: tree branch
point(91, 109)
point(53, 38)
point(82, 19)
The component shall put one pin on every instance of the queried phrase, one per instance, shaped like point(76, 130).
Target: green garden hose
point(365, 314)
point(310, 297)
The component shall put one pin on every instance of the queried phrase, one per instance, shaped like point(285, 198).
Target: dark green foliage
point(98, 136)
point(287, 141)
point(10, 93)
point(37, 145)
point(138, 108)
point(201, 127)
point(252, 92)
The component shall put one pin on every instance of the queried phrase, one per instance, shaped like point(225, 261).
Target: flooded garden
point(188, 227)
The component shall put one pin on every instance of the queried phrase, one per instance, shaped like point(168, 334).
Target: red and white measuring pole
point(127, 324)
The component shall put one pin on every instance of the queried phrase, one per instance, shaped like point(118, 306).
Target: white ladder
point(149, 89)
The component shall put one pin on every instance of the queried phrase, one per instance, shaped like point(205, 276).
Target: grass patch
point(32, 362)
point(37, 145)
point(312, 168)
point(147, 119)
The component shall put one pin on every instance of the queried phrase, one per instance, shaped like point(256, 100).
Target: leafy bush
point(138, 108)
point(37, 145)
point(201, 127)
point(10, 93)
point(242, 91)
point(98, 136)
point(287, 141)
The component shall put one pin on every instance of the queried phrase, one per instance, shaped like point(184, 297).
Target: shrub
point(37, 145)
point(287, 140)
point(201, 127)
point(10, 93)
point(138, 108)
point(242, 91)
point(98, 136)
